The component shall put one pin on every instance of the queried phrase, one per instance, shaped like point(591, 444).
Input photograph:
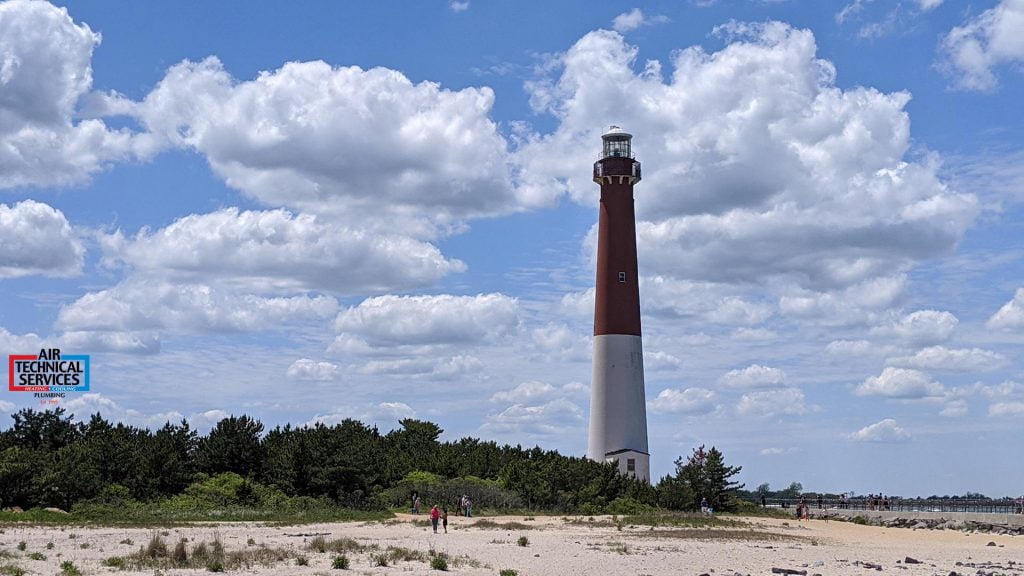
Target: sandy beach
point(554, 546)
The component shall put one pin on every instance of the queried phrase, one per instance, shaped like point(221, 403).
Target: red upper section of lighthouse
point(617, 298)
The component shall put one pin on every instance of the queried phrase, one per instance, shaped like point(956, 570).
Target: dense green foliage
point(101, 468)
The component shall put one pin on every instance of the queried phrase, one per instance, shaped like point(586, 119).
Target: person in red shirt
point(435, 514)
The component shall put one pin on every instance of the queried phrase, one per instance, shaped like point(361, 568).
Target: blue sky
point(383, 210)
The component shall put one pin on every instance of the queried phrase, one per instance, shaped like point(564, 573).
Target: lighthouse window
point(622, 277)
point(631, 465)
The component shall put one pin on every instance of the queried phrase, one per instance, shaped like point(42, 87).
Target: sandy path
point(556, 548)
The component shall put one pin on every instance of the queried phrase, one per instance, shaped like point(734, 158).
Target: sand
point(557, 546)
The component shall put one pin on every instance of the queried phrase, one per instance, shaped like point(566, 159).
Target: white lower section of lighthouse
point(618, 408)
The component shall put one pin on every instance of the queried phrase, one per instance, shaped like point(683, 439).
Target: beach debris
point(909, 560)
point(869, 565)
point(789, 571)
point(990, 543)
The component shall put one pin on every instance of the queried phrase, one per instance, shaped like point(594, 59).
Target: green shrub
point(22, 545)
point(119, 562)
point(523, 541)
point(301, 561)
point(379, 559)
point(340, 562)
point(624, 505)
point(859, 520)
point(439, 562)
point(508, 572)
point(37, 556)
point(12, 570)
point(68, 568)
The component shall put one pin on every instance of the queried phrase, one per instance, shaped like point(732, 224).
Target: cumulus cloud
point(883, 431)
point(921, 327)
point(771, 403)
point(713, 303)
point(6, 406)
point(306, 369)
point(118, 342)
point(974, 51)
point(688, 401)
point(386, 413)
point(635, 18)
point(551, 418)
point(278, 250)
point(457, 6)
point(369, 146)
point(44, 71)
point(1011, 315)
point(754, 376)
point(901, 383)
point(766, 169)
point(952, 360)
point(559, 342)
point(387, 321)
point(138, 304)
point(36, 238)
point(525, 393)
point(1006, 409)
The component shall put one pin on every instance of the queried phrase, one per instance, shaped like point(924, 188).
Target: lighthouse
point(618, 410)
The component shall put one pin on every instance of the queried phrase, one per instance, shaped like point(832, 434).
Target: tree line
point(49, 459)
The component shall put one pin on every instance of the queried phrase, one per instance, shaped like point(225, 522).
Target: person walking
point(469, 507)
point(444, 517)
point(435, 515)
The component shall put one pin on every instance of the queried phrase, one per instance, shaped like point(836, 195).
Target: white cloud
point(89, 403)
point(120, 342)
point(1011, 315)
point(37, 239)
point(921, 327)
point(850, 348)
point(713, 303)
point(387, 321)
point(635, 18)
point(754, 376)
point(770, 403)
point(44, 71)
point(138, 304)
point(688, 401)
point(1006, 409)
point(306, 369)
point(954, 409)
point(776, 451)
point(952, 360)
point(457, 6)
point(658, 360)
point(851, 305)
point(883, 431)
point(900, 383)
point(278, 250)
point(1003, 390)
point(786, 175)
point(551, 418)
point(974, 51)
point(386, 414)
point(525, 393)
point(6, 406)
point(559, 342)
point(361, 145)
point(929, 5)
